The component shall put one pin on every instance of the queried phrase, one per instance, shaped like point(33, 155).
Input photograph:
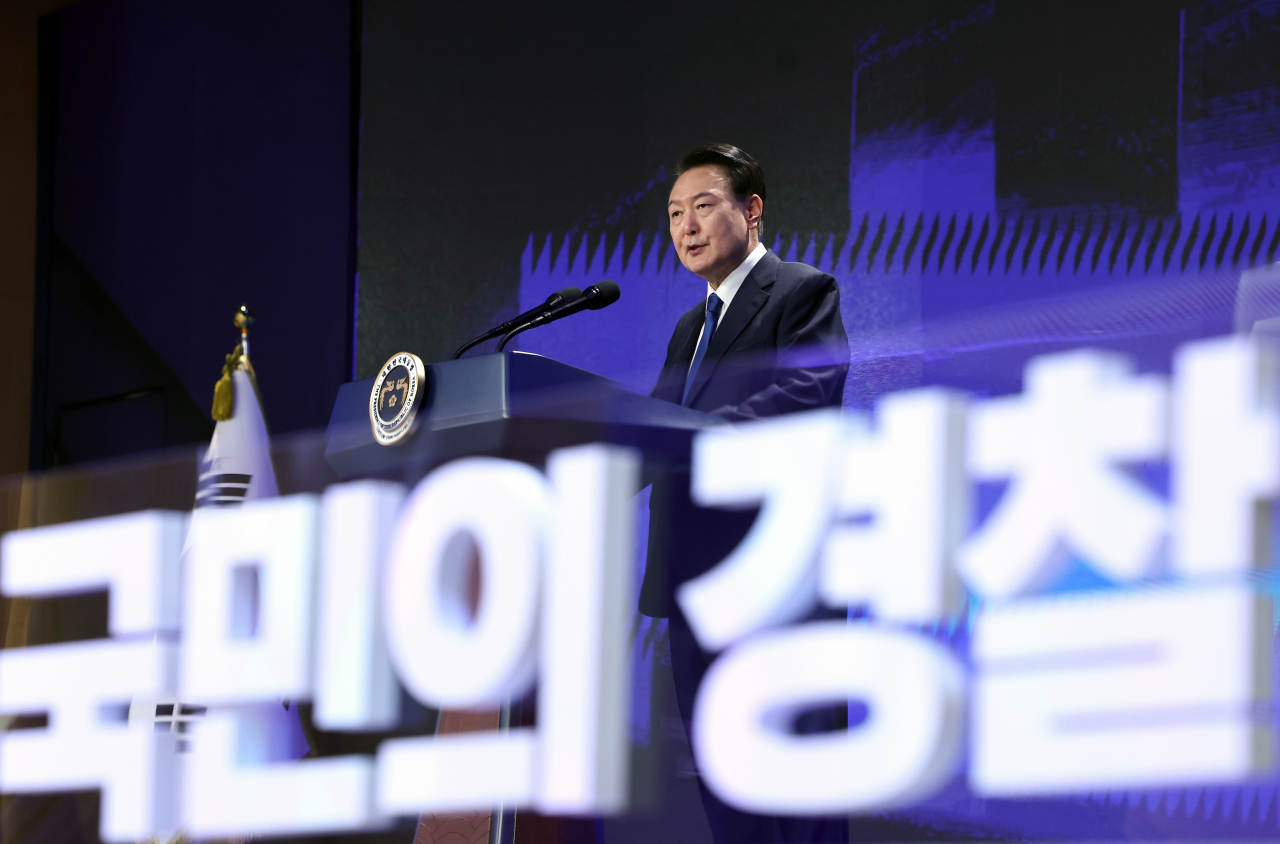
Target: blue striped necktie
point(709, 328)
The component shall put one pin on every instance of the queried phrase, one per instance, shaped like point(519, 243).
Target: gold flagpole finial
point(224, 392)
point(244, 321)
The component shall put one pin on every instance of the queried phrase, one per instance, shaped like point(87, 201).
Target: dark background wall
point(19, 142)
point(484, 122)
point(201, 156)
point(1087, 104)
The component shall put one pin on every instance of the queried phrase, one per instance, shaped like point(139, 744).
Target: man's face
point(712, 231)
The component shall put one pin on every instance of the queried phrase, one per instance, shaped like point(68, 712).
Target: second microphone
point(595, 297)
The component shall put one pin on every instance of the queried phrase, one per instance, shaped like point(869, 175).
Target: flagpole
point(243, 321)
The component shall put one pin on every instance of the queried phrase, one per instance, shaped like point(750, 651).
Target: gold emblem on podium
point(394, 400)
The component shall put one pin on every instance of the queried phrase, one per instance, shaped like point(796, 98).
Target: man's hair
point(744, 173)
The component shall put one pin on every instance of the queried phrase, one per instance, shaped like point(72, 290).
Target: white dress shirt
point(729, 288)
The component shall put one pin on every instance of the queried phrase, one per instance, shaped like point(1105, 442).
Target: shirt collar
point(729, 287)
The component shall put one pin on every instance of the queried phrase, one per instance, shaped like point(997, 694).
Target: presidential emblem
point(393, 403)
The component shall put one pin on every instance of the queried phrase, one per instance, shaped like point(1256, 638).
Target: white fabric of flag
point(236, 466)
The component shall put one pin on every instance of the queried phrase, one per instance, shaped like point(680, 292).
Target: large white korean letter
point(786, 467)
point(908, 746)
point(248, 594)
point(1058, 444)
point(476, 511)
point(587, 614)
point(356, 686)
point(85, 687)
point(908, 478)
point(1102, 690)
point(1226, 454)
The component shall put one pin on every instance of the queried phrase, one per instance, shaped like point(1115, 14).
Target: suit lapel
point(677, 366)
point(749, 300)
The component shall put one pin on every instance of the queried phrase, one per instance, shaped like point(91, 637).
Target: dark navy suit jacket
point(780, 348)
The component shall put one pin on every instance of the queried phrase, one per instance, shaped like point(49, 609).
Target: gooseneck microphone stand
point(553, 301)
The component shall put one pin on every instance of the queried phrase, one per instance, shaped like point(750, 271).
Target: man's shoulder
point(787, 276)
point(795, 269)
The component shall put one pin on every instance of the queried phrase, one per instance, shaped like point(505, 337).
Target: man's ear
point(755, 210)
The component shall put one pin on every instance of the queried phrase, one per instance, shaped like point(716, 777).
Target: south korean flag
point(236, 467)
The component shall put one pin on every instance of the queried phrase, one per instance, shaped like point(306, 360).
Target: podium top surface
point(507, 404)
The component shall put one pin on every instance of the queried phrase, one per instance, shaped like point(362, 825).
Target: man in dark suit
point(767, 339)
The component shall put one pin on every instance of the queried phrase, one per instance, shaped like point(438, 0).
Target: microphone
point(595, 297)
point(554, 300)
